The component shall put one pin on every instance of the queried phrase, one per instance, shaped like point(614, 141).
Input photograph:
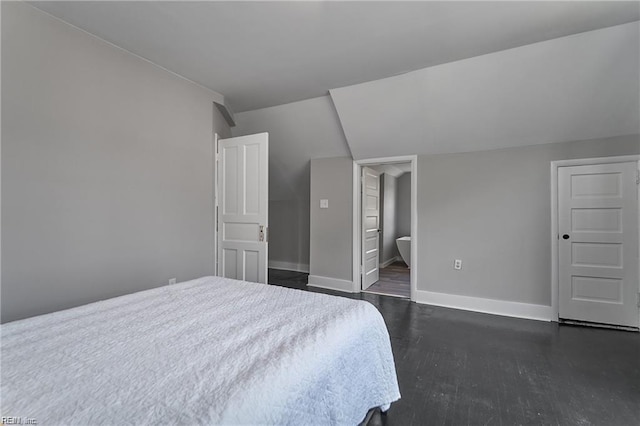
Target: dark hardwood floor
point(465, 368)
point(394, 280)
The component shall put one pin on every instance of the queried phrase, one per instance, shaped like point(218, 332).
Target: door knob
point(565, 236)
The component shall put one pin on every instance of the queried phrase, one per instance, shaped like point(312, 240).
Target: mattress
point(208, 351)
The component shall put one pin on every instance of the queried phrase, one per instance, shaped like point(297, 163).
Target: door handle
point(565, 236)
point(263, 234)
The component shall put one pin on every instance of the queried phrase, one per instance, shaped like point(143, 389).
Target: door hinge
point(217, 146)
point(637, 177)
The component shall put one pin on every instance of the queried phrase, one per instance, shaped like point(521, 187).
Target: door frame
point(357, 207)
point(555, 165)
point(215, 203)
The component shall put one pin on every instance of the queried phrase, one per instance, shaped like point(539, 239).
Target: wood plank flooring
point(394, 281)
point(465, 368)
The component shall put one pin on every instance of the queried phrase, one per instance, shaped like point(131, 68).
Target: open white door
point(598, 243)
point(370, 227)
point(243, 218)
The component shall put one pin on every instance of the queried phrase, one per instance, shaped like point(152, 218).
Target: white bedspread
point(206, 351)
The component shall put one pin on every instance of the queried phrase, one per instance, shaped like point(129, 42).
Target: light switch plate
point(324, 204)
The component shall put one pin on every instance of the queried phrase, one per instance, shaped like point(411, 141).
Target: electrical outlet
point(172, 281)
point(457, 264)
point(324, 204)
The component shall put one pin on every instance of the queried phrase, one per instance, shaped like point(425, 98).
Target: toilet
point(404, 247)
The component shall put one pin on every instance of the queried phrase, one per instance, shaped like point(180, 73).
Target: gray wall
point(489, 208)
point(106, 169)
point(492, 210)
point(331, 229)
point(298, 132)
point(388, 247)
point(403, 206)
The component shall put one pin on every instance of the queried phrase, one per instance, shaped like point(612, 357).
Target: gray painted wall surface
point(388, 248)
point(298, 132)
point(403, 206)
point(106, 169)
point(492, 210)
point(331, 229)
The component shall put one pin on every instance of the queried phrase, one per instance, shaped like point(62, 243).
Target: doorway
point(596, 242)
point(385, 226)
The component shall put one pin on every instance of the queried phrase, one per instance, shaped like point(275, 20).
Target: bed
point(207, 351)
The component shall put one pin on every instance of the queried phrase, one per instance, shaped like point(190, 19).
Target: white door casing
point(243, 207)
point(370, 227)
point(598, 243)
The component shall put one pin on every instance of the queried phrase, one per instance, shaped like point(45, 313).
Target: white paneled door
point(243, 204)
point(598, 243)
point(370, 227)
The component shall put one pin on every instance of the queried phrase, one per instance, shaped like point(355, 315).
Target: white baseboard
point(390, 261)
point(487, 306)
point(331, 283)
point(289, 266)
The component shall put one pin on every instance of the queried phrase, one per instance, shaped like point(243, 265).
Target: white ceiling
point(261, 54)
point(579, 87)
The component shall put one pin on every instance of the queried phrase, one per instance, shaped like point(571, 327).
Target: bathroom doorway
point(384, 225)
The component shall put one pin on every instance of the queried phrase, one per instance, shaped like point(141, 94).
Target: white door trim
point(357, 172)
point(554, 215)
point(215, 203)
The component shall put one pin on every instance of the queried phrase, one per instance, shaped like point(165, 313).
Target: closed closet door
point(598, 243)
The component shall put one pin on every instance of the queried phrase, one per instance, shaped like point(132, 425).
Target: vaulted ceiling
point(260, 54)
point(579, 87)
